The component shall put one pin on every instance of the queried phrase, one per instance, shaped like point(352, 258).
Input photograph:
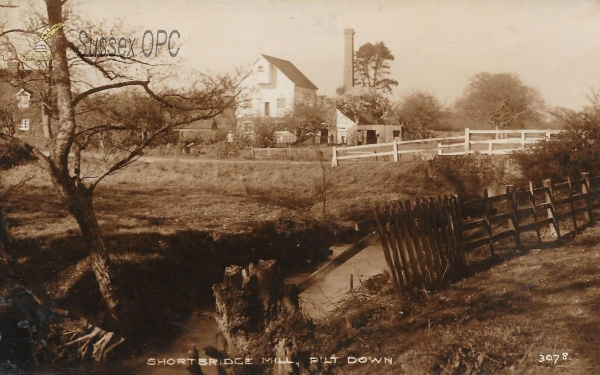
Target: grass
point(174, 227)
point(543, 301)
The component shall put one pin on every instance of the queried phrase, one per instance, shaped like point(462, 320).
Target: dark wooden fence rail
point(424, 244)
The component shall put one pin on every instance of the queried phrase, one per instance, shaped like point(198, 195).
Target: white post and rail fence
point(492, 142)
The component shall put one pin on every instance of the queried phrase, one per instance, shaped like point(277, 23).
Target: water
point(323, 296)
point(200, 328)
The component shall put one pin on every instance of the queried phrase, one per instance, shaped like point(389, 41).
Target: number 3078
point(553, 358)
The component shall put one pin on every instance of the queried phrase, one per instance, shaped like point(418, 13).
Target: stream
point(200, 328)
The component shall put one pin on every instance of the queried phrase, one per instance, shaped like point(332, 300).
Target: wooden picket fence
point(422, 243)
point(425, 243)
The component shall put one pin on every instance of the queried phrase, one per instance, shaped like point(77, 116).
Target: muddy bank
point(167, 276)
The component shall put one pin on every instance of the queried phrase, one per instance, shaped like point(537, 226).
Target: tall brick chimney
point(349, 58)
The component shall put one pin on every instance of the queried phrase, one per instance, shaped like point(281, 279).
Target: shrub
point(573, 151)
point(11, 156)
point(470, 174)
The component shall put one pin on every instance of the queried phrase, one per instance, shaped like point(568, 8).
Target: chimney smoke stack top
point(349, 58)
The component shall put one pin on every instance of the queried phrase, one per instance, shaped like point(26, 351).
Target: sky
point(554, 46)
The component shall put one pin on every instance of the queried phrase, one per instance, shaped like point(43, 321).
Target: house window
point(281, 103)
point(260, 69)
point(24, 124)
point(247, 103)
point(23, 100)
point(267, 109)
point(396, 134)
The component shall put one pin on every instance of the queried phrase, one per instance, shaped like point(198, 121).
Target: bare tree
point(9, 121)
point(69, 89)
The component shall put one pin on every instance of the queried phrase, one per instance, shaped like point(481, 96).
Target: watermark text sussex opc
point(125, 47)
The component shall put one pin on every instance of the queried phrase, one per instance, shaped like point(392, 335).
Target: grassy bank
point(509, 318)
point(172, 227)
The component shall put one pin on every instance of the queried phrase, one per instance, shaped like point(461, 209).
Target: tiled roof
point(363, 118)
point(291, 72)
point(201, 125)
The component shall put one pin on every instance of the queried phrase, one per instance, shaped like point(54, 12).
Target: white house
point(271, 87)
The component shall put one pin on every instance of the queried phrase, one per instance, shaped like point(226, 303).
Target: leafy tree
point(501, 100)
point(371, 66)
point(360, 102)
point(307, 118)
point(573, 151)
point(75, 79)
point(265, 134)
point(418, 113)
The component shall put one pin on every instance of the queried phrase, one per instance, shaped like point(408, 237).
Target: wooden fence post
point(486, 205)
point(253, 153)
point(585, 189)
point(523, 140)
point(395, 150)
point(511, 202)
point(456, 208)
point(554, 228)
point(334, 160)
point(533, 209)
point(467, 141)
point(439, 149)
point(573, 215)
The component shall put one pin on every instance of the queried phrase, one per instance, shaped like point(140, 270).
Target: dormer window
point(23, 97)
point(261, 69)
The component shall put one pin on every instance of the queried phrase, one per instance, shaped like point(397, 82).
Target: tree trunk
point(77, 197)
point(251, 302)
point(4, 242)
point(46, 124)
point(81, 207)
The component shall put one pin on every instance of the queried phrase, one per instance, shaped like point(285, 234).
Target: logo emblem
point(42, 50)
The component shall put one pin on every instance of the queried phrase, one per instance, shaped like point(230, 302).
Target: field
point(172, 227)
point(167, 196)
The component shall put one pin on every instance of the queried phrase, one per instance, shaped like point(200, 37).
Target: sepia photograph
point(295, 187)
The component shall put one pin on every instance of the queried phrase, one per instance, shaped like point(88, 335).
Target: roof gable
point(291, 72)
point(363, 118)
point(24, 92)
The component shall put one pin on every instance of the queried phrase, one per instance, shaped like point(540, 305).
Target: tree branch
point(95, 90)
point(15, 31)
point(135, 154)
